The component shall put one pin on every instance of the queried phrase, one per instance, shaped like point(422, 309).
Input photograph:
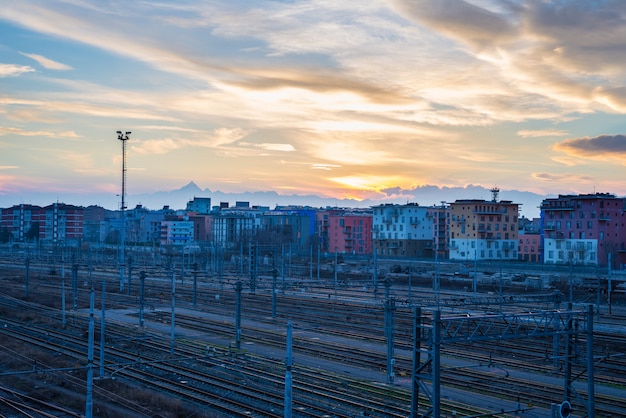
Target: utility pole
point(288, 375)
point(238, 288)
point(102, 326)
point(123, 137)
point(172, 329)
point(142, 282)
point(27, 263)
point(390, 307)
point(89, 396)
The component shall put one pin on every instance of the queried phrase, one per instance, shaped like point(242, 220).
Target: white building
point(403, 230)
point(176, 232)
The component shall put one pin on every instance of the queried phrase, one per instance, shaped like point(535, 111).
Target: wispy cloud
point(47, 63)
point(12, 70)
point(387, 94)
point(48, 134)
point(270, 147)
point(538, 133)
point(216, 139)
point(327, 167)
point(565, 178)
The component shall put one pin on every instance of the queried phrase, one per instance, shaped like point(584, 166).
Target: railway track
point(364, 321)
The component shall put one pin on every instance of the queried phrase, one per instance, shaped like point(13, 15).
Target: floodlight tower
point(123, 137)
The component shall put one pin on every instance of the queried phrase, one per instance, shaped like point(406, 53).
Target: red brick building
point(57, 223)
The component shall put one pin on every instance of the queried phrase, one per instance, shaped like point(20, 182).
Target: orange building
point(483, 230)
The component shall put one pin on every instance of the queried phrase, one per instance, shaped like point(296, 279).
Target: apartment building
point(176, 232)
point(199, 205)
point(236, 225)
point(293, 225)
point(529, 247)
point(350, 231)
point(441, 226)
point(56, 223)
point(584, 229)
point(404, 230)
point(322, 225)
point(483, 230)
point(23, 222)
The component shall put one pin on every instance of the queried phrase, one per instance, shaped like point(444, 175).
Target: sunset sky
point(366, 99)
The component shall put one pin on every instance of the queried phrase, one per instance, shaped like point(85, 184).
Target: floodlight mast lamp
point(123, 137)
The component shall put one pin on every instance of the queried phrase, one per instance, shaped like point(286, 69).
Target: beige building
point(483, 230)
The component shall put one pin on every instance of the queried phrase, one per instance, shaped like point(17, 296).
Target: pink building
point(529, 247)
point(584, 229)
point(350, 231)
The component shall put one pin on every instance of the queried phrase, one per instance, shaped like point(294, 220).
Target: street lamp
point(123, 137)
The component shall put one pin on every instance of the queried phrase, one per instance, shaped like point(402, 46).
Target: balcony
point(558, 206)
point(490, 212)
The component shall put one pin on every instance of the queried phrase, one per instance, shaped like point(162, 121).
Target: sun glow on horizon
point(369, 183)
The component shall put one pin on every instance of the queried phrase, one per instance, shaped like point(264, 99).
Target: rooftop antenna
point(494, 194)
point(123, 137)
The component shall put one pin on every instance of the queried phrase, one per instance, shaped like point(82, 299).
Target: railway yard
point(205, 343)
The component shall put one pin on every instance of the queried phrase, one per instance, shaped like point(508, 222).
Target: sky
point(368, 99)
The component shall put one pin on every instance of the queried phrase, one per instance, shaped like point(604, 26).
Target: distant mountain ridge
point(178, 198)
